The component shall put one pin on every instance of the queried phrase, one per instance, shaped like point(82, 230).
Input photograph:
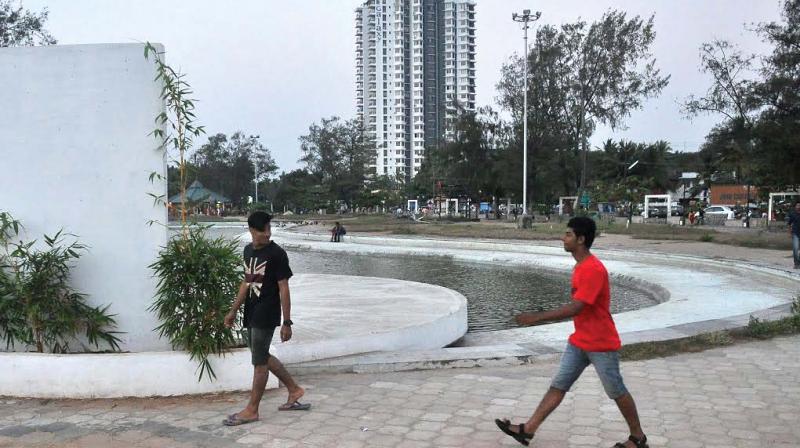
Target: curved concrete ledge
point(334, 316)
point(696, 290)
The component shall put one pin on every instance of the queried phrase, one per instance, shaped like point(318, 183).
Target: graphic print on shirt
point(254, 276)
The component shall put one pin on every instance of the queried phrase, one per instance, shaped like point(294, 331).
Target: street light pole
point(255, 180)
point(630, 196)
point(525, 18)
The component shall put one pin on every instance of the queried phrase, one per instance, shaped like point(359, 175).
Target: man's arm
point(240, 296)
point(564, 312)
point(286, 308)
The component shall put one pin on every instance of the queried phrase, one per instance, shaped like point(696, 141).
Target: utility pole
point(525, 18)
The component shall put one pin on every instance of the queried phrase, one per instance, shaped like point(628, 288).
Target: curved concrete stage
point(697, 295)
point(334, 316)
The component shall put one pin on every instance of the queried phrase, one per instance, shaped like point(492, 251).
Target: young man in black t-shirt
point(265, 293)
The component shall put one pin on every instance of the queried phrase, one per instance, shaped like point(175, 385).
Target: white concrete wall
point(121, 375)
point(75, 154)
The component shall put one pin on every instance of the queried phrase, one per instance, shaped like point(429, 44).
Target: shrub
point(758, 329)
point(198, 279)
point(38, 306)
point(707, 238)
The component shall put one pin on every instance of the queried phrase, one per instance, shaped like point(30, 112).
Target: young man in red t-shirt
point(595, 340)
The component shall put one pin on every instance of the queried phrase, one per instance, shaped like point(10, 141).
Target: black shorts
point(258, 340)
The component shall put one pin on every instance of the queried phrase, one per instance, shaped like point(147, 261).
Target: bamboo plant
point(38, 306)
point(197, 276)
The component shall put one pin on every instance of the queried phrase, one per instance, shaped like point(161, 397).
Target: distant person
point(335, 232)
point(595, 340)
point(793, 220)
point(265, 294)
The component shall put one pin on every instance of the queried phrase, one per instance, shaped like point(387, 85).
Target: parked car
point(656, 212)
point(660, 211)
point(720, 210)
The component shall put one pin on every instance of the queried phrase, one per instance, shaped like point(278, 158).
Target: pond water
point(495, 294)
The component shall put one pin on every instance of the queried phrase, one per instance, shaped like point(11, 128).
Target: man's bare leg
point(277, 369)
point(260, 375)
point(627, 407)
point(552, 398)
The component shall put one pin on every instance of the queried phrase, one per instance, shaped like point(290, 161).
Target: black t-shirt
point(794, 220)
point(263, 268)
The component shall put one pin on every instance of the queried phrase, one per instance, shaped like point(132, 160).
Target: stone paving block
point(740, 396)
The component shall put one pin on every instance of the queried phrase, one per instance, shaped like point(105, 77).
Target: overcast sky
point(273, 67)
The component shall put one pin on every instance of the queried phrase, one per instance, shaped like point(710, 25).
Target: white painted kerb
point(698, 289)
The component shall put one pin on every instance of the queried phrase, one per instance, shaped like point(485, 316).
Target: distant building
point(732, 195)
point(415, 61)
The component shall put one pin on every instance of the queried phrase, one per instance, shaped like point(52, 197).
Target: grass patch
point(707, 238)
point(755, 238)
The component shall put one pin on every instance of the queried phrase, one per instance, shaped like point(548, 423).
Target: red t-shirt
point(594, 327)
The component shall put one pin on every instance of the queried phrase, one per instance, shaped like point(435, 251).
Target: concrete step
point(450, 357)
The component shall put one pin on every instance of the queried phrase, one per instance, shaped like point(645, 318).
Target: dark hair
point(585, 227)
point(259, 220)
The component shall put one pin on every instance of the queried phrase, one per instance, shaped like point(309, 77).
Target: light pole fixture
point(525, 18)
point(630, 196)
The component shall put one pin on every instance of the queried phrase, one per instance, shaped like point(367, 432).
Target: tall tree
point(229, 165)
point(551, 169)
point(464, 165)
point(587, 75)
point(612, 179)
point(298, 191)
point(778, 129)
point(340, 154)
point(20, 27)
point(731, 95)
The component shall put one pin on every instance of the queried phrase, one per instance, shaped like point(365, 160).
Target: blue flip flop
point(235, 420)
point(296, 406)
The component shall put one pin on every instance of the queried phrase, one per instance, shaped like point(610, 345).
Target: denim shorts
point(258, 340)
point(574, 360)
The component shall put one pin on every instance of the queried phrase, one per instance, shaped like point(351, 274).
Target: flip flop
point(296, 406)
point(235, 420)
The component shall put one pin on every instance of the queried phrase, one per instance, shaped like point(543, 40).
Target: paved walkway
point(746, 395)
